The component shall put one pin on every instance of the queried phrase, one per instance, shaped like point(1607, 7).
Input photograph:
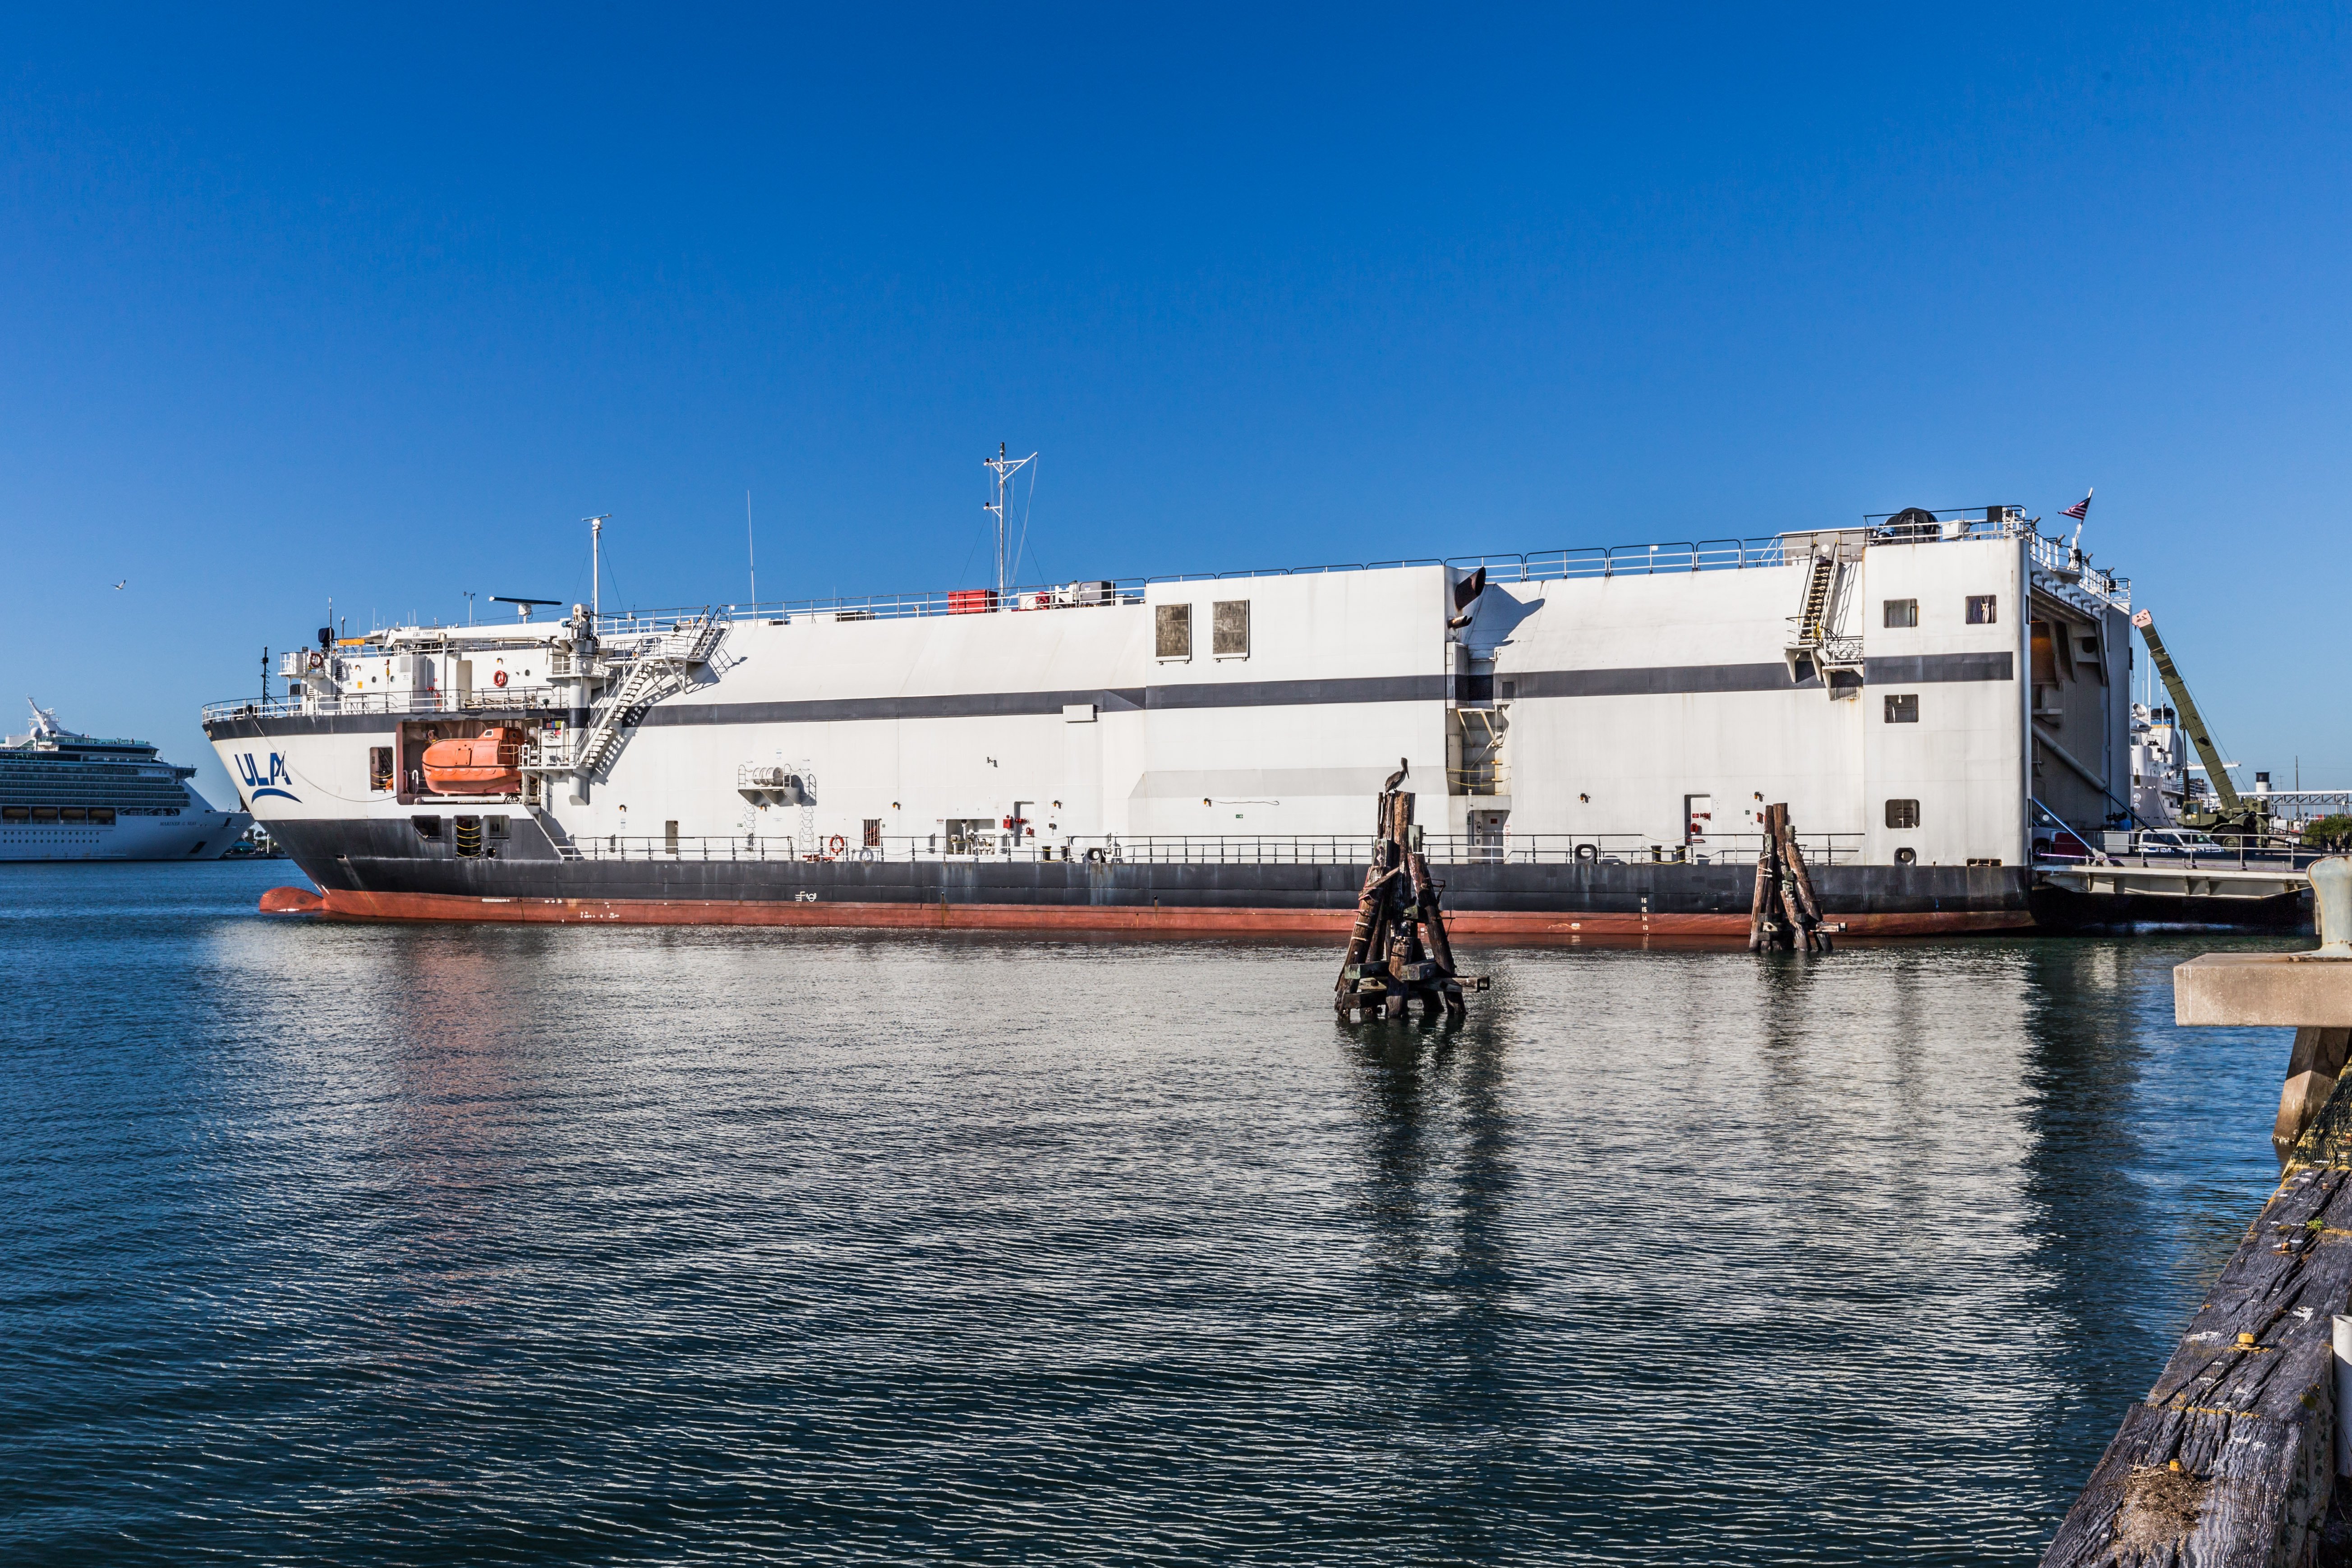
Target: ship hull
point(193, 835)
point(1497, 901)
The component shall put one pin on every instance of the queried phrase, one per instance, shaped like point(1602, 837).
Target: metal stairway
point(1815, 645)
point(659, 666)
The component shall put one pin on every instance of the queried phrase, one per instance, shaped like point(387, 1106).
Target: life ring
point(318, 661)
point(499, 679)
point(836, 843)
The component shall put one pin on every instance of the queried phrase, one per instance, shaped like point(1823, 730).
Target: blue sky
point(296, 306)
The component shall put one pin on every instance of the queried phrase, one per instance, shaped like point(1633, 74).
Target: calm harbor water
point(437, 1243)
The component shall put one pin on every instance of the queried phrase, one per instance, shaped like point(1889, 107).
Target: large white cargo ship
point(1592, 735)
point(65, 796)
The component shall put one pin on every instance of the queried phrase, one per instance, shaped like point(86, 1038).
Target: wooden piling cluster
point(1398, 952)
point(1784, 913)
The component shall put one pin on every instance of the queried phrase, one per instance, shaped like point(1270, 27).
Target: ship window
point(1229, 629)
point(426, 827)
point(1903, 708)
point(101, 814)
point(1510, 691)
point(1173, 631)
point(73, 813)
point(873, 833)
point(496, 825)
point(1902, 814)
point(16, 814)
point(44, 813)
point(1984, 609)
point(1902, 612)
point(380, 767)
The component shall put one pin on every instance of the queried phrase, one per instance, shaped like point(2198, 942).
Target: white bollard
point(2343, 1336)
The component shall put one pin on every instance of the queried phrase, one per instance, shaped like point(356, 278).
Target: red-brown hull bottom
point(1472, 926)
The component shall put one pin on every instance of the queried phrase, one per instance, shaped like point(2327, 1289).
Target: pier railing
point(1223, 849)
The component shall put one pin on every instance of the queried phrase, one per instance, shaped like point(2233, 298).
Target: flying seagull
point(1405, 766)
point(117, 587)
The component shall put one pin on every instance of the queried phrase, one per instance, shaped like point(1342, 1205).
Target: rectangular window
point(495, 825)
point(1984, 609)
point(1902, 814)
point(1229, 629)
point(1903, 710)
point(1510, 691)
point(380, 768)
point(1902, 612)
point(873, 833)
point(1173, 631)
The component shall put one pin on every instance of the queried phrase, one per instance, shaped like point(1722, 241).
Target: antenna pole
point(595, 564)
point(751, 550)
point(1003, 467)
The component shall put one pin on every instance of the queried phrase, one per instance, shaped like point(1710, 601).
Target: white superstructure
point(1931, 689)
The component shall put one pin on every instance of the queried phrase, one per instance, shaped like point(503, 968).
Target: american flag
point(2081, 509)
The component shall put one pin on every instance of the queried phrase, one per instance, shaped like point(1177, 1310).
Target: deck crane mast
point(2234, 815)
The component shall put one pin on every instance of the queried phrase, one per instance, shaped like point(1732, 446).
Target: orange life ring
point(317, 660)
point(836, 843)
point(499, 679)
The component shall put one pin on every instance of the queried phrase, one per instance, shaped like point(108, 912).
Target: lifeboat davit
point(488, 763)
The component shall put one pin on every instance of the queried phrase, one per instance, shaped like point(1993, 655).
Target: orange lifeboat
point(490, 764)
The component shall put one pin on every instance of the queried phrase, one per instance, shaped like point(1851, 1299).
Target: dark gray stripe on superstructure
point(1665, 680)
point(854, 710)
point(1298, 693)
point(1668, 680)
point(1925, 669)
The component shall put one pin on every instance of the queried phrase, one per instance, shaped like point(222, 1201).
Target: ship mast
point(595, 564)
point(1003, 469)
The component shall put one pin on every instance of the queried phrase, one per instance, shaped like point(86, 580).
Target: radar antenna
point(1003, 469)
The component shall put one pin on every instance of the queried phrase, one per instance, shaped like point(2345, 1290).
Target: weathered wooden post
point(1398, 952)
point(2233, 1456)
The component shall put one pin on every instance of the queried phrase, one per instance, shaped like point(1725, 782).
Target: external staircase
point(656, 665)
point(1816, 644)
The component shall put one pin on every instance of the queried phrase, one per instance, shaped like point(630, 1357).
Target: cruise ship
point(1591, 735)
point(65, 796)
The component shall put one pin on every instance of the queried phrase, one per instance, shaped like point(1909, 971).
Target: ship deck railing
point(390, 704)
point(2057, 557)
point(1220, 849)
point(1664, 558)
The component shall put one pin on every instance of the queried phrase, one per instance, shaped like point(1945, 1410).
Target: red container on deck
point(971, 600)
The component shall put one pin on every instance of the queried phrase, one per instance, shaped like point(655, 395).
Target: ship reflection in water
point(419, 1243)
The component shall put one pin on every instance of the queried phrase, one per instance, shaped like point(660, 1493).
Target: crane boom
point(2216, 771)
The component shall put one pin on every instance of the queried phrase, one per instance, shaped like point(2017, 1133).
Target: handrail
point(1287, 849)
